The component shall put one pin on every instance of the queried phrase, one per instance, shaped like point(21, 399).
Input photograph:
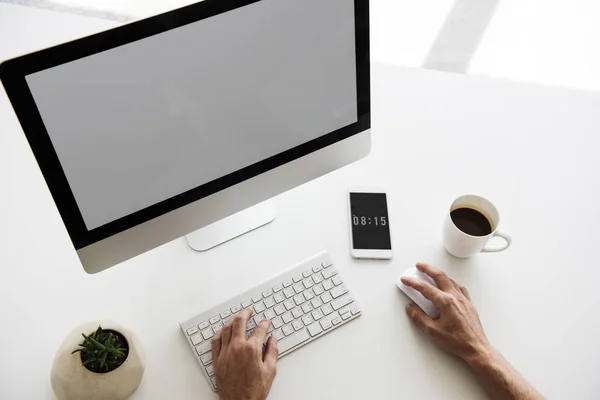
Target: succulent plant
point(103, 350)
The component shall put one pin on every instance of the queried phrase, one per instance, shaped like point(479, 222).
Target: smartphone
point(370, 233)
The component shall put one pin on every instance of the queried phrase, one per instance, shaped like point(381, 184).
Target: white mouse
point(425, 305)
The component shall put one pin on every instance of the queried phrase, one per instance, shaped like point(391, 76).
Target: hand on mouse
point(243, 370)
point(457, 328)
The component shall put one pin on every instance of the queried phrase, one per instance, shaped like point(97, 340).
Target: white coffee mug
point(463, 245)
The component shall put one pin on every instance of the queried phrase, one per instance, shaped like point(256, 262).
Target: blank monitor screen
point(143, 122)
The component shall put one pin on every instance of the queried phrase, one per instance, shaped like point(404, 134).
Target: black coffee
point(471, 222)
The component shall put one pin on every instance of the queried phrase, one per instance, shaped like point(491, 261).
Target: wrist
point(481, 356)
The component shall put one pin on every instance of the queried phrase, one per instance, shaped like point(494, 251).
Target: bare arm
point(500, 379)
point(458, 330)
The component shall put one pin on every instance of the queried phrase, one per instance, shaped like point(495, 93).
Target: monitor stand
point(233, 226)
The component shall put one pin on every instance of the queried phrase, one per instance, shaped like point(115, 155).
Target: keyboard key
point(326, 309)
point(225, 314)
point(270, 302)
point(317, 278)
point(342, 301)
point(355, 309)
point(269, 314)
point(308, 294)
point(318, 268)
point(314, 329)
point(277, 288)
point(328, 273)
point(346, 316)
point(326, 298)
point(316, 302)
point(289, 304)
point(207, 333)
point(306, 307)
point(278, 335)
point(235, 309)
point(336, 280)
point(287, 283)
point(308, 283)
point(210, 371)
point(269, 331)
point(247, 303)
point(317, 315)
point(213, 380)
point(298, 288)
point(297, 312)
point(318, 289)
point(345, 309)
point(203, 325)
point(326, 264)
point(251, 324)
point(299, 300)
point(336, 321)
point(214, 319)
point(287, 317)
point(293, 340)
point(307, 273)
point(279, 309)
point(259, 307)
point(289, 292)
point(297, 278)
point(328, 285)
point(325, 323)
point(259, 318)
point(217, 327)
point(192, 330)
point(196, 339)
point(338, 291)
point(297, 325)
point(277, 322)
point(307, 319)
point(279, 297)
point(267, 293)
point(256, 298)
point(203, 348)
point(206, 358)
point(287, 330)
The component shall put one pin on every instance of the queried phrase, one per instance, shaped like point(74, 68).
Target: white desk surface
point(532, 150)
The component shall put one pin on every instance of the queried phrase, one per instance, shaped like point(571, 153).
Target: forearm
point(499, 378)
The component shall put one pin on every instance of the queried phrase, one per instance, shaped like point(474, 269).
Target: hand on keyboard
point(243, 370)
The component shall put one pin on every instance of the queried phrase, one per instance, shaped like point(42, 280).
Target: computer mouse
point(427, 306)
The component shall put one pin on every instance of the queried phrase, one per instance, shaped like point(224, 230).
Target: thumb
point(271, 353)
point(420, 319)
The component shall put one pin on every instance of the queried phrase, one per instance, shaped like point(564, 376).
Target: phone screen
point(369, 221)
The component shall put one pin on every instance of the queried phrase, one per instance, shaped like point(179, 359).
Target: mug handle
point(503, 235)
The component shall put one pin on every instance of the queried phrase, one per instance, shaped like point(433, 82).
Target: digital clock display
point(369, 220)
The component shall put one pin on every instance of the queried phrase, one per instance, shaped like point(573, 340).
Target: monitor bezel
point(13, 73)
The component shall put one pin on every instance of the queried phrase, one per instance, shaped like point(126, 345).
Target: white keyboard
point(303, 304)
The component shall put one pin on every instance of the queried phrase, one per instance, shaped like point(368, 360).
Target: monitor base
point(233, 226)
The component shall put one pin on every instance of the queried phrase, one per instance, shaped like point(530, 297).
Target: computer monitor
point(150, 131)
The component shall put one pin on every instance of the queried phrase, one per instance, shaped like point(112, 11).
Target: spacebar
point(293, 340)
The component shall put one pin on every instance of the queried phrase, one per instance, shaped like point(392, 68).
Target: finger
point(439, 277)
point(271, 352)
point(260, 332)
point(240, 322)
point(428, 291)
point(465, 292)
point(216, 344)
point(420, 319)
point(225, 334)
